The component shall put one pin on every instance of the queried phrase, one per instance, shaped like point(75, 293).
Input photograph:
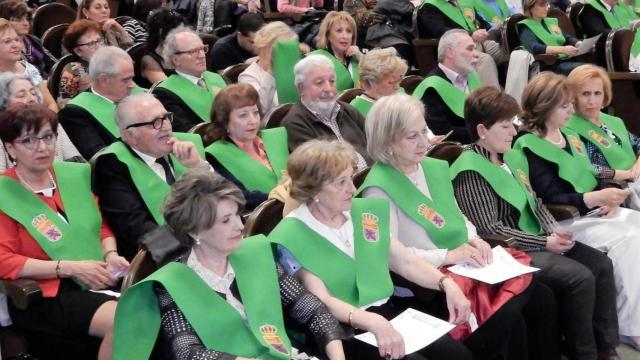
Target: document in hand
point(586, 45)
point(417, 329)
point(503, 267)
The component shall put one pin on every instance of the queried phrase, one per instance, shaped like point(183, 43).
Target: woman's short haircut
point(192, 204)
point(76, 30)
point(6, 25)
point(387, 121)
point(488, 105)
point(527, 5)
point(332, 18)
point(272, 32)
point(14, 9)
point(380, 63)
point(540, 97)
point(160, 22)
point(314, 163)
point(583, 73)
point(6, 79)
point(232, 97)
point(19, 118)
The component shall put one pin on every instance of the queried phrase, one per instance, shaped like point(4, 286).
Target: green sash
point(251, 173)
point(439, 216)
point(346, 78)
point(358, 281)
point(611, 20)
point(196, 98)
point(79, 239)
point(463, 15)
point(218, 324)
point(150, 186)
point(515, 190)
point(362, 104)
point(452, 96)
point(573, 167)
point(551, 37)
point(489, 14)
point(285, 56)
point(102, 110)
point(618, 156)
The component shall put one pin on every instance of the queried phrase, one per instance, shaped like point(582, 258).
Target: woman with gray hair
point(224, 297)
point(19, 88)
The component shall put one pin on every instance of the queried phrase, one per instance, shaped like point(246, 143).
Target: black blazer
point(592, 22)
point(183, 117)
point(440, 118)
point(433, 23)
point(84, 130)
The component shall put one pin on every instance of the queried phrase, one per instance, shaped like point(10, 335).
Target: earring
point(196, 240)
point(482, 137)
point(316, 199)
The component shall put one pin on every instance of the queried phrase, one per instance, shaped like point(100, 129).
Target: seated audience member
point(51, 231)
point(220, 287)
point(88, 118)
point(238, 47)
point(82, 39)
point(160, 23)
point(100, 12)
point(133, 175)
point(445, 89)
point(189, 92)
point(19, 13)
point(396, 30)
point(139, 29)
point(601, 16)
point(496, 198)
point(299, 6)
point(381, 71)
point(11, 48)
point(560, 173)
point(318, 114)
point(361, 12)
point(261, 74)
point(541, 34)
point(251, 158)
point(16, 89)
point(496, 12)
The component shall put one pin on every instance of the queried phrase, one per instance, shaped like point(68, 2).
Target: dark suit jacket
point(440, 118)
point(84, 130)
point(302, 126)
point(592, 22)
point(121, 204)
point(183, 117)
point(432, 23)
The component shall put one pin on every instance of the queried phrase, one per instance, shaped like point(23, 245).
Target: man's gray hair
point(126, 111)
point(104, 61)
point(6, 79)
point(303, 66)
point(448, 39)
point(170, 45)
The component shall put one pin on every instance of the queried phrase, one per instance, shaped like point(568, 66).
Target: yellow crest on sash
point(577, 145)
point(431, 215)
point(370, 227)
point(46, 227)
point(468, 13)
point(555, 29)
point(497, 20)
point(270, 335)
point(524, 179)
point(599, 138)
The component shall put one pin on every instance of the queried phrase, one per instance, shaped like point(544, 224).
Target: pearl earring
point(316, 199)
point(482, 137)
point(196, 240)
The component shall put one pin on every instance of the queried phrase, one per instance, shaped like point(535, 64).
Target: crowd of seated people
point(371, 223)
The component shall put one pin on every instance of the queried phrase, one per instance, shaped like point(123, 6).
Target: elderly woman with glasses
point(15, 89)
point(51, 231)
point(19, 13)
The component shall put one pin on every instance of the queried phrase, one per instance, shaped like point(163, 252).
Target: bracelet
point(441, 282)
point(351, 318)
point(58, 269)
point(104, 257)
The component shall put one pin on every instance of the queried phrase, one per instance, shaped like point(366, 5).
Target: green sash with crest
point(196, 98)
point(218, 325)
point(551, 37)
point(346, 78)
point(286, 55)
point(358, 281)
point(463, 15)
point(489, 13)
point(452, 96)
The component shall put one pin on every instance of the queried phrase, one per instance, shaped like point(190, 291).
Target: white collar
point(102, 96)
point(193, 79)
point(606, 6)
point(148, 159)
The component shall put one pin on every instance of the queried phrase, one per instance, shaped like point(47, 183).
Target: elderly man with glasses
point(134, 174)
point(189, 92)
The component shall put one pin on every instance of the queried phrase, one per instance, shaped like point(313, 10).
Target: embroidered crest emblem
point(370, 227)
point(599, 138)
point(555, 29)
point(496, 20)
point(431, 215)
point(270, 335)
point(524, 179)
point(46, 227)
point(576, 144)
point(468, 13)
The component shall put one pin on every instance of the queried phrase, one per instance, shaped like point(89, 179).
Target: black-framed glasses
point(155, 123)
point(194, 51)
point(92, 44)
point(31, 141)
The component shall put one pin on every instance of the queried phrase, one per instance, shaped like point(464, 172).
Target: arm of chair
point(22, 292)
point(499, 240)
point(563, 212)
point(546, 58)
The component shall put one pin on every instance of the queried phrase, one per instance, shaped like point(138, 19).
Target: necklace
point(52, 184)
point(339, 233)
point(414, 175)
point(559, 142)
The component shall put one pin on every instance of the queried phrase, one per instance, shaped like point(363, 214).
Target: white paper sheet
point(417, 329)
point(503, 267)
point(586, 45)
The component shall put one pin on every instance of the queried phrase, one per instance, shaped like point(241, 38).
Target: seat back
point(53, 83)
point(52, 39)
point(426, 53)
point(446, 150)
point(137, 51)
point(274, 117)
point(618, 49)
point(49, 15)
point(358, 178)
point(350, 94)
point(210, 40)
point(264, 218)
point(410, 82)
point(141, 266)
point(563, 21)
point(574, 11)
point(510, 38)
point(233, 72)
point(224, 30)
point(201, 129)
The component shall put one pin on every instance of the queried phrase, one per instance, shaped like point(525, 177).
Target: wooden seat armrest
point(546, 58)
point(563, 212)
point(499, 240)
point(22, 292)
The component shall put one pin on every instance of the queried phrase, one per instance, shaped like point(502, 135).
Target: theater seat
point(349, 94)
point(274, 117)
point(49, 15)
point(410, 82)
point(141, 266)
point(264, 218)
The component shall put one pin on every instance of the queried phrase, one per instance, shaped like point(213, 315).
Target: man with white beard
point(318, 114)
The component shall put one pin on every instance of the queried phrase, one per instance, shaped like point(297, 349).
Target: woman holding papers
point(343, 251)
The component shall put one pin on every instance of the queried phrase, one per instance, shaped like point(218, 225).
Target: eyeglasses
point(194, 51)
point(92, 44)
point(31, 141)
point(155, 123)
